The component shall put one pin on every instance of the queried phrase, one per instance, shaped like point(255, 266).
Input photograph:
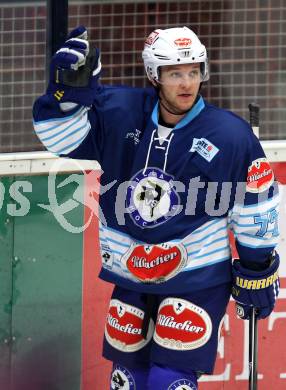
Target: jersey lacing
point(167, 139)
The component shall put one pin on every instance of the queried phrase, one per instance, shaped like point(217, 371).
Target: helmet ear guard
point(205, 70)
point(173, 46)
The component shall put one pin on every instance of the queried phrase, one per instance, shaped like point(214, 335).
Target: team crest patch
point(204, 148)
point(182, 384)
point(260, 176)
point(155, 263)
point(123, 329)
point(151, 198)
point(122, 379)
point(181, 325)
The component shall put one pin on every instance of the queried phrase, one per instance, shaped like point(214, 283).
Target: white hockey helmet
point(173, 46)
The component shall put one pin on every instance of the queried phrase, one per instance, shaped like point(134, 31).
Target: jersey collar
point(193, 113)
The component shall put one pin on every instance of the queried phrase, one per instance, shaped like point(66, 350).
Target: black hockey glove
point(257, 289)
point(74, 70)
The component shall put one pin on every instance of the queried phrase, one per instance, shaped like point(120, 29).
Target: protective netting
point(246, 42)
point(22, 72)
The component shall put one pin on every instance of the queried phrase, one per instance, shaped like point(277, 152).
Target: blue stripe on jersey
point(255, 246)
point(58, 119)
point(257, 212)
point(118, 242)
point(214, 222)
point(60, 132)
point(244, 225)
point(207, 236)
point(118, 252)
point(254, 236)
point(209, 244)
point(207, 264)
point(114, 231)
point(212, 252)
point(67, 136)
point(76, 143)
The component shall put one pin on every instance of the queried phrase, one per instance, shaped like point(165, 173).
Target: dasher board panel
point(41, 163)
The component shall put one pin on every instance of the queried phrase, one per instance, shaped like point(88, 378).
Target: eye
point(175, 75)
point(194, 73)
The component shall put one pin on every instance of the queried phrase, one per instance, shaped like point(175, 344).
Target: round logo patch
point(181, 325)
point(239, 311)
point(155, 263)
point(182, 384)
point(260, 176)
point(123, 329)
point(151, 198)
point(122, 379)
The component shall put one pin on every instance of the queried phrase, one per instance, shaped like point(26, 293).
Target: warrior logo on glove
point(257, 289)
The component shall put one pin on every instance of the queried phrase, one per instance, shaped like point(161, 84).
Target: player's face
point(179, 86)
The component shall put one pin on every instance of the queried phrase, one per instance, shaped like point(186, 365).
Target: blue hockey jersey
point(171, 200)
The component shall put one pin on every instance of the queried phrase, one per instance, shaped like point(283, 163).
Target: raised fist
point(74, 70)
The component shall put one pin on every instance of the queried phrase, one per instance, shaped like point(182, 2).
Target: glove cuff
point(273, 266)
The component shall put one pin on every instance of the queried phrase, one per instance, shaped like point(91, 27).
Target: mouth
point(184, 95)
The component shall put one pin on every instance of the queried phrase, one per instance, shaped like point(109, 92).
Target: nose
point(186, 81)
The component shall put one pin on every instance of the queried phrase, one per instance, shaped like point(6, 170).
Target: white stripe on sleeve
point(63, 135)
point(256, 226)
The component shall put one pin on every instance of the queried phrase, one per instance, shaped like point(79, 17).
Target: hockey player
point(183, 172)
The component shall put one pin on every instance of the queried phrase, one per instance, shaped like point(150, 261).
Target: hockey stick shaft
point(253, 333)
point(253, 322)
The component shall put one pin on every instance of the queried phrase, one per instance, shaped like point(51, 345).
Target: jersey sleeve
point(83, 132)
point(239, 163)
point(254, 215)
point(67, 132)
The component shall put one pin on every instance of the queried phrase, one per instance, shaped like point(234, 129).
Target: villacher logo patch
point(155, 263)
point(260, 176)
point(181, 325)
point(123, 329)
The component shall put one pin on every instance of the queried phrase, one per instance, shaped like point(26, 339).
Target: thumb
point(78, 32)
